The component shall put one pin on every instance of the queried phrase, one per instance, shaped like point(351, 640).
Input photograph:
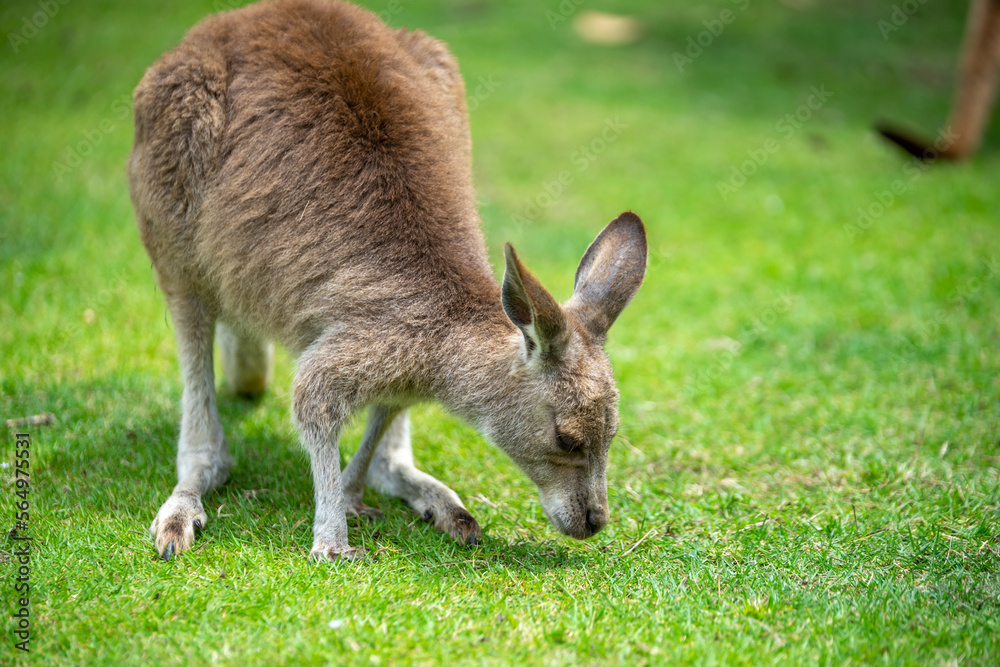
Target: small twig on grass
point(874, 532)
point(633, 448)
point(758, 524)
point(641, 539)
point(43, 419)
point(483, 499)
point(809, 521)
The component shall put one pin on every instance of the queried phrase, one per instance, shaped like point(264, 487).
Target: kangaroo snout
point(597, 519)
point(573, 516)
point(583, 524)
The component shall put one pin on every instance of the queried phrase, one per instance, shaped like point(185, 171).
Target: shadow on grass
point(401, 531)
point(112, 454)
point(120, 420)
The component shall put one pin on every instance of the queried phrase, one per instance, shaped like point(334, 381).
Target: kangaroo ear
point(533, 310)
point(609, 274)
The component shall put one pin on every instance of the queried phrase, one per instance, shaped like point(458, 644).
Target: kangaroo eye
point(567, 443)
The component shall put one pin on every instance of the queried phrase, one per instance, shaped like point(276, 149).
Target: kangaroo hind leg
point(393, 472)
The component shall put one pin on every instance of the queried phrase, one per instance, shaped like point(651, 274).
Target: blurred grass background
point(807, 469)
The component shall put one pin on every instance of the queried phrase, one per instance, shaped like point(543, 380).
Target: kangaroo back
point(296, 156)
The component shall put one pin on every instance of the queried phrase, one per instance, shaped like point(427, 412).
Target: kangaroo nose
point(596, 520)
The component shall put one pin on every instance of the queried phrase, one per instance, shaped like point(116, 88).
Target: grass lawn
point(808, 468)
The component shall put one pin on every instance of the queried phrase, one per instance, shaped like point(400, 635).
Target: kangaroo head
point(561, 413)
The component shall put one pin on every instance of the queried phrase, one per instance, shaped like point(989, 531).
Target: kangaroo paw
point(361, 511)
point(174, 526)
point(323, 554)
point(457, 522)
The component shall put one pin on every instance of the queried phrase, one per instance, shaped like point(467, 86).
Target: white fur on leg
point(392, 472)
point(353, 477)
point(203, 460)
point(330, 525)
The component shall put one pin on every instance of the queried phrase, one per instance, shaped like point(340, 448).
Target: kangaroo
point(974, 96)
point(302, 173)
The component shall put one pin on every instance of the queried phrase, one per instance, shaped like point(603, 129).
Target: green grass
point(807, 470)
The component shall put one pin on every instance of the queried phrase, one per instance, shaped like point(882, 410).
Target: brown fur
point(301, 173)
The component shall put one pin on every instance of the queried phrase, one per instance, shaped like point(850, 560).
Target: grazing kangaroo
point(302, 173)
point(977, 81)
